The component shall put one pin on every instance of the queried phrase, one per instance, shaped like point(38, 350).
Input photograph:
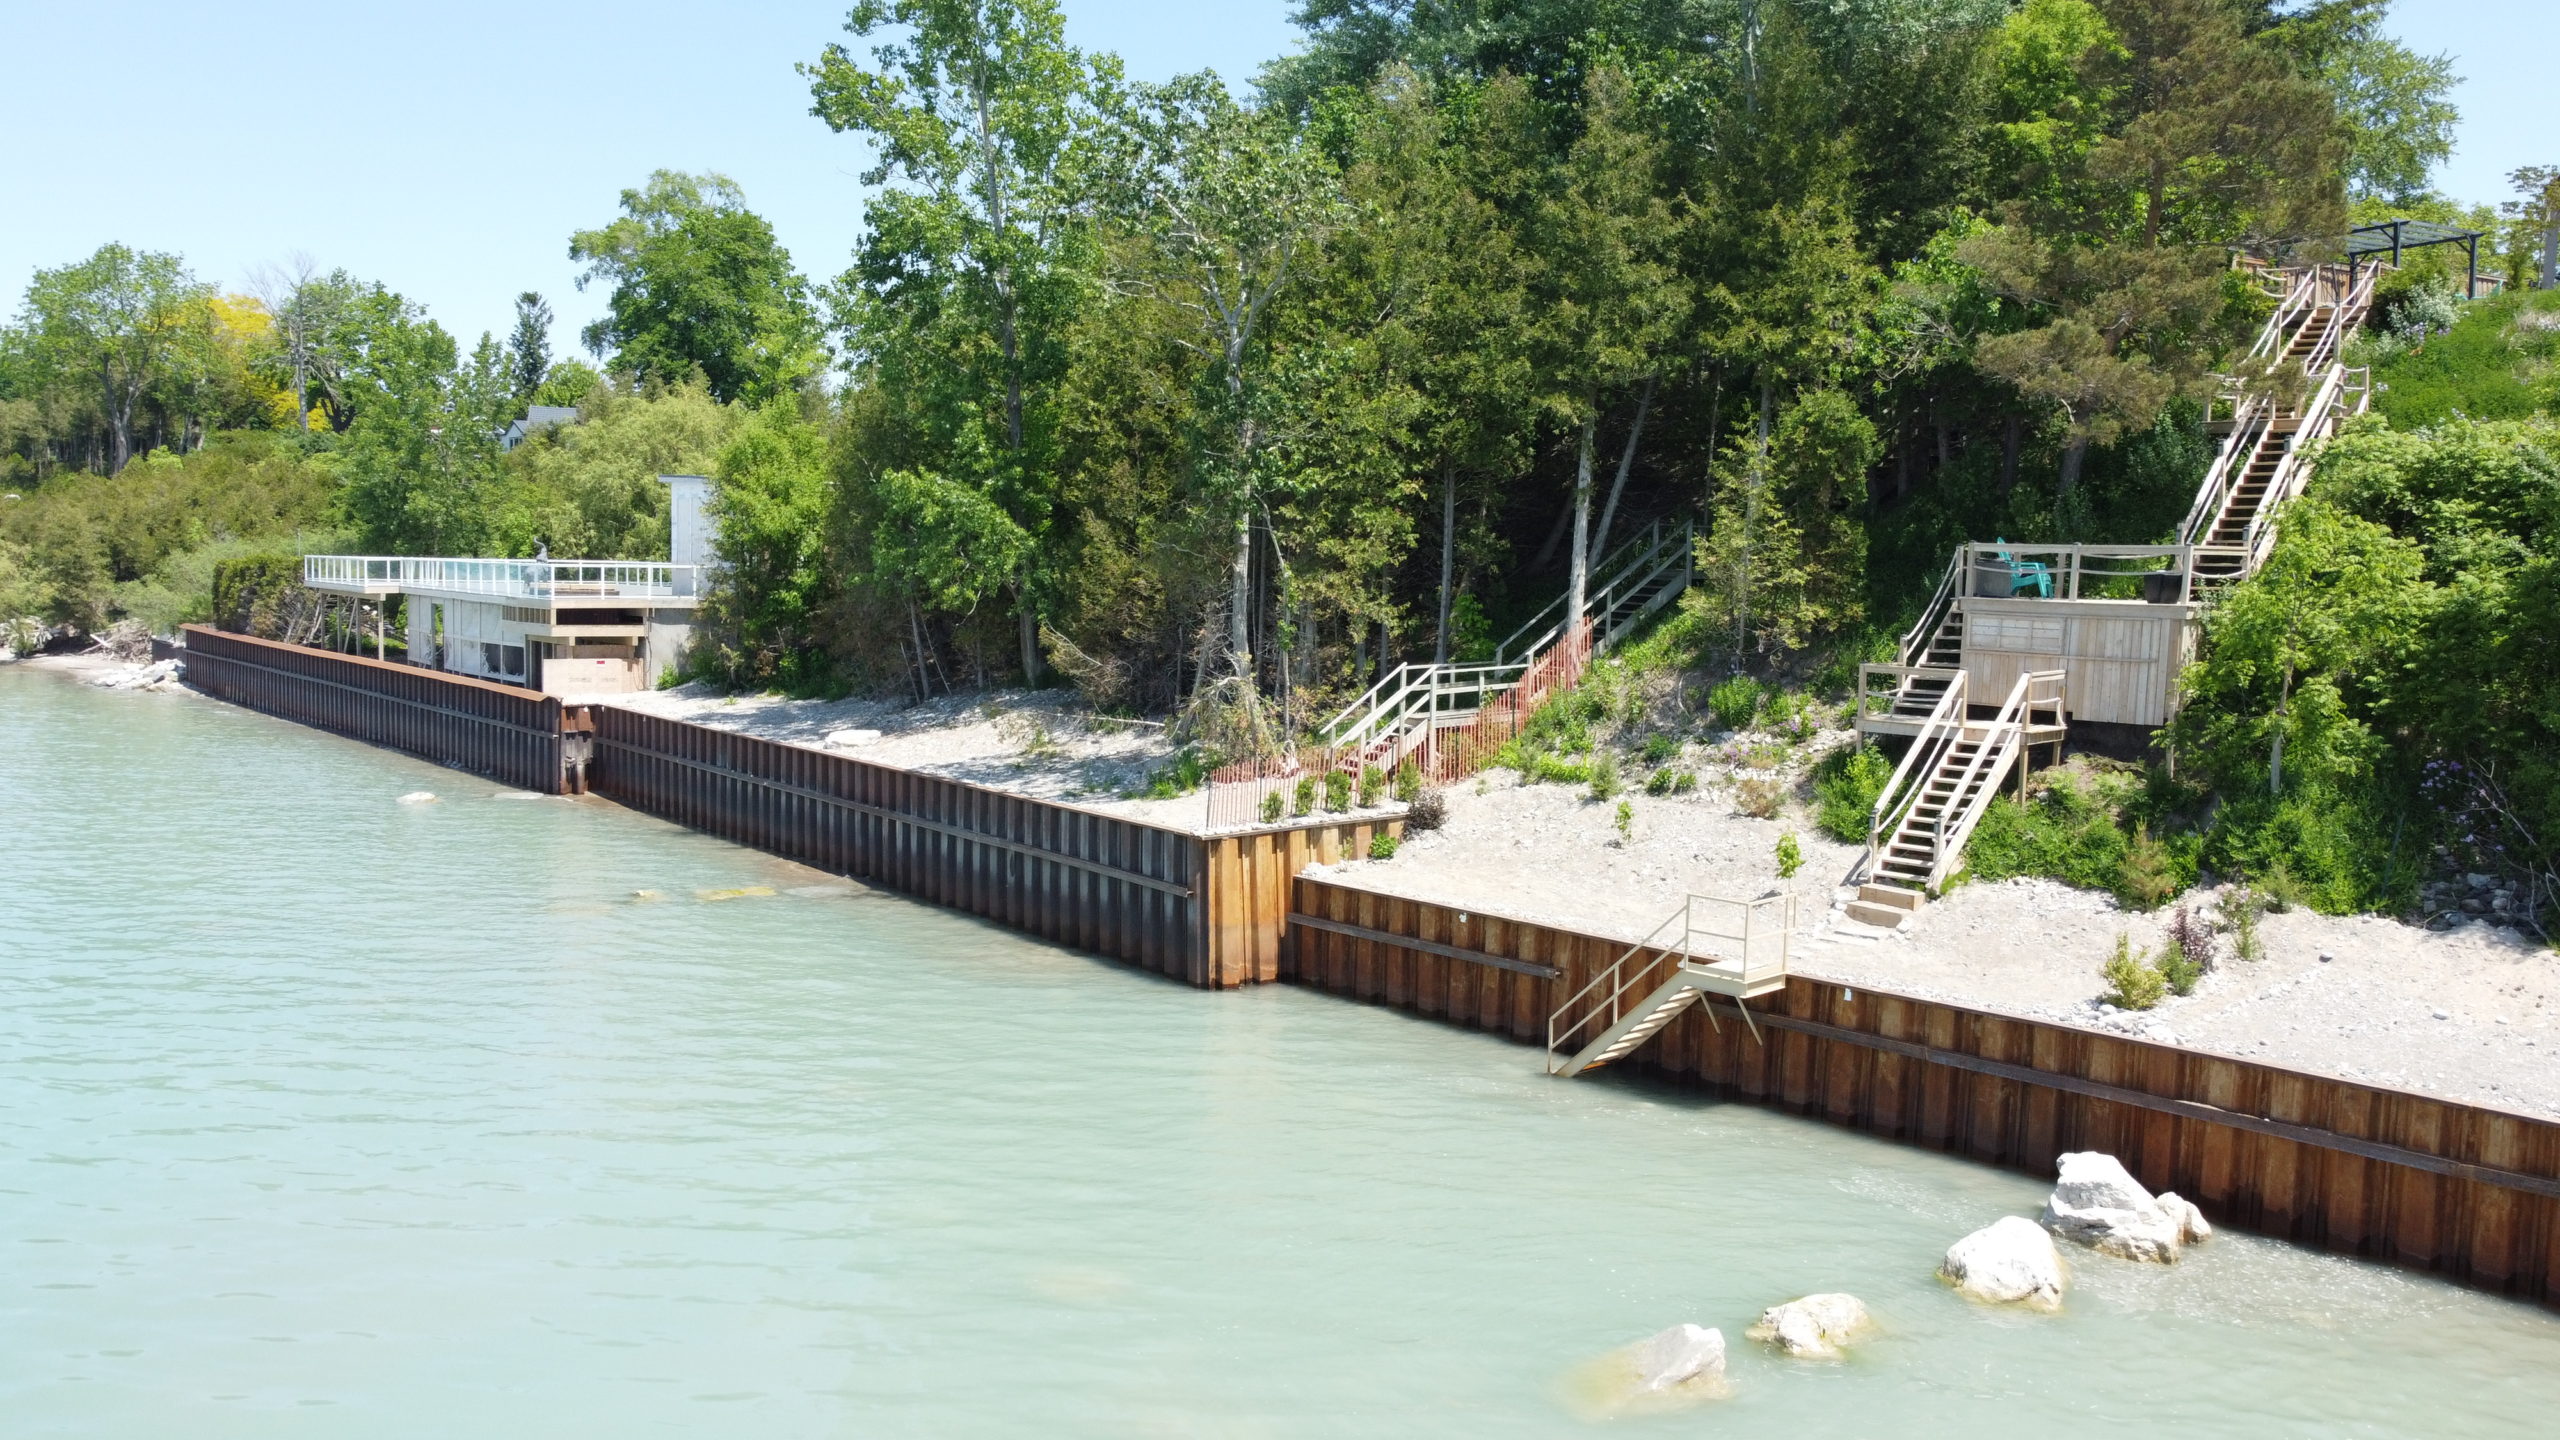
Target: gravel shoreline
point(2469, 1014)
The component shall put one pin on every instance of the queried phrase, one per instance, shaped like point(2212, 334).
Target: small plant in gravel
point(1427, 811)
point(1846, 783)
point(2279, 888)
point(1382, 846)
point(2178, 972)
point(2132, 984)
point(1790, 856)
point(1603, 771)
point(2240, 911)
point(1625, 821)
point(1408, 782)
point(1660, 781)
point(2144, 880)
point(1372, 785)
point(1735, 701)
point(1305, 799)
point(1759, 796)
point(1271, 806)
point(1661, 750)
point(2193, 935)
point(1337, 790)
point(1550, 770)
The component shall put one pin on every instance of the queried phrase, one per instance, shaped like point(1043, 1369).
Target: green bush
point(250, 593)
point(2145, 878)
point(1303, 803)
point(1408, 782)
point(1337, 790)
point(1271, 804)
point(1790, 856)
point(1660, 749)
point(1846, 783)
point(1603, 774)
point(1372, 786)
point(1625, 821)
point(1187, 771)
point(1382, 846)
point(2131, 983)
point(1735, 701)
point(1660, 781)
point(1547, 769)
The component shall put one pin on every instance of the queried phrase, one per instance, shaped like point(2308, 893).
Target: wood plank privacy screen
point(1205, 909)
point(2467, 1192)
point(506, 732)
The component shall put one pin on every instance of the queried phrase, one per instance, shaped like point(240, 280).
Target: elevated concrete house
point(565, 627)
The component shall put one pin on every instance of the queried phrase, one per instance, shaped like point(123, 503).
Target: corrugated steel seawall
point(503, 731)
point(2461, 1190)
point(1176, 903)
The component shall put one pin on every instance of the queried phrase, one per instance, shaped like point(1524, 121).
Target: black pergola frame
point(2399, 235)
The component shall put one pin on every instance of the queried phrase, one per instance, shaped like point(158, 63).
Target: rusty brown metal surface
point(2464, 1191)
point(505, 732)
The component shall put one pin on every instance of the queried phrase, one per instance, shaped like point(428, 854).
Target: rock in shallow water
point(1815, 1327)
point(2097, 1203)
point(1677, 1367)
point(2008, 1262)
point(419, 797)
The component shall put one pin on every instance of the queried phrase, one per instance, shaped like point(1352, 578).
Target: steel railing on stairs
point(1712, 945)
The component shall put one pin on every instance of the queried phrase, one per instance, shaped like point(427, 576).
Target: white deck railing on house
point(503, 579)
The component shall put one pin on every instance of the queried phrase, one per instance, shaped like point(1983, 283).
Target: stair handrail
point(1638, 551)
point(1915, 641)
point(2254, 420)
point(1619, 983)
point(2293, 468)
point(1893, 803)
point(2005, 738)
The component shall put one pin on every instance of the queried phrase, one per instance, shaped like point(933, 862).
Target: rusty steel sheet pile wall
point(2461, 1190)
point(503, 731)
point(1204, 909)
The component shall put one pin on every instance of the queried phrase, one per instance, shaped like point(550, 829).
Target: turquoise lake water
point(323, 1115)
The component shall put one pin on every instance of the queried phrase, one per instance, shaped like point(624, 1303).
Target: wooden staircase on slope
point(1928, 810)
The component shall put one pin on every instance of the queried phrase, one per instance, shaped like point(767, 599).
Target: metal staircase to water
point(1711, 946)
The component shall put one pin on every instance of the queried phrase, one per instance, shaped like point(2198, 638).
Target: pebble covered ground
point(2469, 1013)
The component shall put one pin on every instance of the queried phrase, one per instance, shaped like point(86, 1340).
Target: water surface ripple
point(324, 1115)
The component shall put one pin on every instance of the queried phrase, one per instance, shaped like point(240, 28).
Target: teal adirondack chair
point(2025, 575)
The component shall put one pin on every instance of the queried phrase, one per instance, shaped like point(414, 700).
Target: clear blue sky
point(449, 149)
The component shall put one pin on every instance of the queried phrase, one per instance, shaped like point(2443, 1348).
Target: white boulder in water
point(850, 739)
point(1665, 1371)
point(419, 797)
point(2008, 1262)
point(1816, 1327)
point(2097, 1203)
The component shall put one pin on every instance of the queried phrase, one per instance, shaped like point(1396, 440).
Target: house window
point(504, 660)
point(515, 662)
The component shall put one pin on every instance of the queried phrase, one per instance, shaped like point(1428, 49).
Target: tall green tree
point(1226, 199)
point(421, 459)
point(529, 344)
point(699, 283)
point(2172, 133)
point(979, 251)
point(120, 322)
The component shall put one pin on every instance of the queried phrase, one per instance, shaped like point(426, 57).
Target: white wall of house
point(689, 533)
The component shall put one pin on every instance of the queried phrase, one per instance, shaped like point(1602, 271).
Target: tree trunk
point(1751, 500)
point(1626, 462)
point(2275, 753)
point(1240, 598)
point(2072, 455)
point(1579, 578)
point(1031, 668)
point(1448, 556)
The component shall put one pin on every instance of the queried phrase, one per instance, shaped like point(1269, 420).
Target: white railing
point(505, 579)
point(1626, 589)
point(1938, 736)
point(2037, 692)
point(1737, 947)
